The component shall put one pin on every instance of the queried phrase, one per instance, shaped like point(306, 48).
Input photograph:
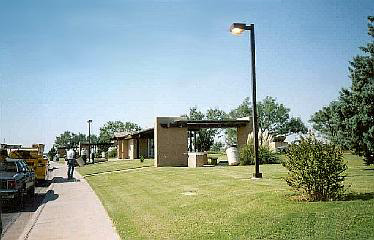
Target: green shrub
point(315, 169)
point(265, 155)
point(112, 153)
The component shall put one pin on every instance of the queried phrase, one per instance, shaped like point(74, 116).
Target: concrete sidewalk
point(71, 210)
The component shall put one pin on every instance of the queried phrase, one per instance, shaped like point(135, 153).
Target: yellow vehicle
point(34, 158)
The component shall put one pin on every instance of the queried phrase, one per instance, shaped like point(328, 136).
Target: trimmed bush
point(265, 155)
point(315, 169)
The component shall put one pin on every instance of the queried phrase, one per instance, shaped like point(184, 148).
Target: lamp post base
point(257, 175)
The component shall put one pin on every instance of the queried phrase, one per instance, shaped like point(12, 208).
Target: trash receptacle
point(232, 155)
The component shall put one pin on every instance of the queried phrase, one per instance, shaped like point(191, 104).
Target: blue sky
point(64, 62)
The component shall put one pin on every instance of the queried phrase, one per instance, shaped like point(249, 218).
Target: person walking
point(84, 155)
point(92, 157)
point(70, 157)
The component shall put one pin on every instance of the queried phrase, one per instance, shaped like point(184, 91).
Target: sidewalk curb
point(34, 228)
point(35, 216)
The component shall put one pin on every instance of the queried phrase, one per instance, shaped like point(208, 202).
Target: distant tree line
point(70, 139)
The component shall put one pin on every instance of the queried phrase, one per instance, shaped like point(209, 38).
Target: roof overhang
point(139, 134)
point(198, 124)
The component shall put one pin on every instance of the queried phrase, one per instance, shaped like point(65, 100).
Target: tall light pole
point(89, 140)
point(237, 29)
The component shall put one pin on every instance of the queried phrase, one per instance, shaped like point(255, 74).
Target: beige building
point(175, 137)
point(172, 138)
point(134, 145)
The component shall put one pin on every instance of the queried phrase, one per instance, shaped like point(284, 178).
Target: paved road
point(14, 221)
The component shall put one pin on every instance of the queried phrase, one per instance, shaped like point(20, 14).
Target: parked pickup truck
point(16, 181)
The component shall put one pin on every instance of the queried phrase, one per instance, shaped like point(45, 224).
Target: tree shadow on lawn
point(358, 196)
point(345, 198)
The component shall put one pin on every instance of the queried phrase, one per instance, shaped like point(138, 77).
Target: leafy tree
point(216, 114)
point(69, 139)
point(77, 138)
point(295, 125)
point(352, 115)
point(64, 140)
point(205, 138)
point(194, 114)
point(327, 122)
point(107, 131)
point(358, 101)
point(94, 138)
point(272, 116)
point(243, 110)
point(52, 153)
point(217, 146)
point(324, 120)
point(275, 118)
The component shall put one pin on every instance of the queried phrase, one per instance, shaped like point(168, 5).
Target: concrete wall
point(125, 149)
point(242, 133)
point(143, 147)
point(122, 149)
point(119, 149)
point(170, 143)
point(197, 159)
point(132, 148)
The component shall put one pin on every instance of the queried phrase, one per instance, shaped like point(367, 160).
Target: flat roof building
point(172, 138)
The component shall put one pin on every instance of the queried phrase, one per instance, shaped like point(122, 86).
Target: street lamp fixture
point(237, 29)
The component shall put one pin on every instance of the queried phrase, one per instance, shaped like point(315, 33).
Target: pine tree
point(358, 102)
point(349, 121)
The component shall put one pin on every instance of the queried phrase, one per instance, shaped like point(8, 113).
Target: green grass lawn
point(112, 166)
point(219, 155)
point(224, 203)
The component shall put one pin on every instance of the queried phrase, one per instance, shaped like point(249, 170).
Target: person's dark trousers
point(84, 157)
point(70, 168)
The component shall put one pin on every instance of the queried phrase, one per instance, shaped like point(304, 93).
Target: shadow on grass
point(346, 197)
point(114, 171)
point(369, 169)
point(358, 196)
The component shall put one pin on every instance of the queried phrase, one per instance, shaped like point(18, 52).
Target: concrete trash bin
point(232, 156)
point(197, 159)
